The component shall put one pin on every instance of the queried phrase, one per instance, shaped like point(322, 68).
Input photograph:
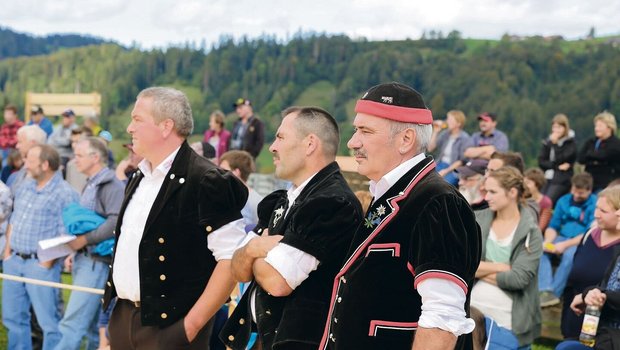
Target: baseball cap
point(487, 117)
point(68, 113)
point(242, 101)
point(36, 109)
point(473, 167)
point(106, 135)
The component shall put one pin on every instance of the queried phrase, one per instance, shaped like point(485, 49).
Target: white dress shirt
point(443, 301)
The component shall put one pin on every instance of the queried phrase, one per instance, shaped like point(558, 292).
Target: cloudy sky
point(159, 23)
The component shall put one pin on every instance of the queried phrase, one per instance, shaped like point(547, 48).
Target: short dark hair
point(537, 176)
point(582, 181)
point(241, 160)
point(317, 121)
point(50, 155)
point(513, 159)
point(11, 107)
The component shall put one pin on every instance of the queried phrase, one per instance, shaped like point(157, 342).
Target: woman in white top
point(507, 287)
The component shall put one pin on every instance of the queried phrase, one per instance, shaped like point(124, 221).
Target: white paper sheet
point(53, 248)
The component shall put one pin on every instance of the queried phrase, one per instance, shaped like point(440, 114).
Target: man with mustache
point(407, 280)
point(305, 233)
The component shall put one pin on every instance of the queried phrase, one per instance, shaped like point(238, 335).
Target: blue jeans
point(451, 177)
point(17, 298)
point(571, 345)
point(547, 281)
point(82, 312)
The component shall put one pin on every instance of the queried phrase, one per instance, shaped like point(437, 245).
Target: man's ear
point(407, 141)
point(312, 143)
point(167, 127)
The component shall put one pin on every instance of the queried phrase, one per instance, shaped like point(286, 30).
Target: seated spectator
point(557, 156)
point(605, 295)
point(574, 212)
point(450, 144)
point(601, 154)
point(217, 135)
point(592, 257)
point(489, 335)
point(488, 139)
point(471, 177)
point(14, 162)
point(511, 248)
point(535, 181)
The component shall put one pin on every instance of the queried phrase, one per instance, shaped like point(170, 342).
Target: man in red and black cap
point(488, 140)
point(412, 262)
point(248, 133)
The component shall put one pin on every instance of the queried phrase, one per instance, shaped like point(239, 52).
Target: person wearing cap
point(248, 133)
point(488, 139)
point(61, 137)
point(471, 178)
point(178, 227)
point(412, 262)
point(305, 233)
point(8, 130)
point(38, 118)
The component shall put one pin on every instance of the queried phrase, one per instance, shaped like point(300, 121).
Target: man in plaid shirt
point(38, 206)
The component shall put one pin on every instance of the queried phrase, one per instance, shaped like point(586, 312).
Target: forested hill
point(526, 82)
point(14, 44)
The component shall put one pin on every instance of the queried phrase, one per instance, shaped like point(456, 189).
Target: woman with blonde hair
point(601, 154)
point(507, 285)
point(450, 141)
point(593, 254)
point(557, 156)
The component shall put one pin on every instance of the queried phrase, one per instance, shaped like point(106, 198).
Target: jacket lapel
point(174, 180)
point(129, 191)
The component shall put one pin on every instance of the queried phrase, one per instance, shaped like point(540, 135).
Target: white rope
point(51, 284)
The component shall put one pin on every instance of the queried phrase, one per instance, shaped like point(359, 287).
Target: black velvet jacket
point(421, 228)
point(321, 223)
point(175, 263)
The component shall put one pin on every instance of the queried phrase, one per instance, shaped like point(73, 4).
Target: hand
point(443, 172)
point(560, 247)
point(554, 137)
point(595, 298)
point(259, 247)
point(78, 243)
point(191, 330)
point(564, 166)
point(69, 263)
point(577, 304)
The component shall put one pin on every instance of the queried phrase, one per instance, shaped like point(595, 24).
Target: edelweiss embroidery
point(374, 218)
point(278, 215)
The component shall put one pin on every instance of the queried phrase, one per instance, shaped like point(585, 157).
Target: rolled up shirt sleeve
point(293, 264)
point(443, 306)
point(225, 240)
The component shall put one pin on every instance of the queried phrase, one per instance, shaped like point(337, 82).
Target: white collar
point(379, 188)
point(294, 192)
point(163, 167)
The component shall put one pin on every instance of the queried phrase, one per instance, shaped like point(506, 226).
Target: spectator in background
point(488, 139)
point(501, 159)
point(451, 144)
point(471, 177)
point(103, 194)
point(128, 166)
point(28, 136)
point(38, 118)
point(8, 130)
point(14, 162)
point(593, 255)
point(217, 136)
point(204, 149)
point(74, 177)
point(92, 122)
point(39, 202)
point(601, 154)
point(61, 138)
point(574, 212)
point(605, 295)
point(557, 156)
point(535, 181)
point(506, 289)
point(241, 164)
point(248, 133)
point(106, 136)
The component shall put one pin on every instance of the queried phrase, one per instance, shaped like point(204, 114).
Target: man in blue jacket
point(573, 214)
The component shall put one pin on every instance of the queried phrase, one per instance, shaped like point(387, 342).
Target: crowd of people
point(172, 230)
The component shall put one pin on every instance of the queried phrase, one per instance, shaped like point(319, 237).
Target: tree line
point(525, 82)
